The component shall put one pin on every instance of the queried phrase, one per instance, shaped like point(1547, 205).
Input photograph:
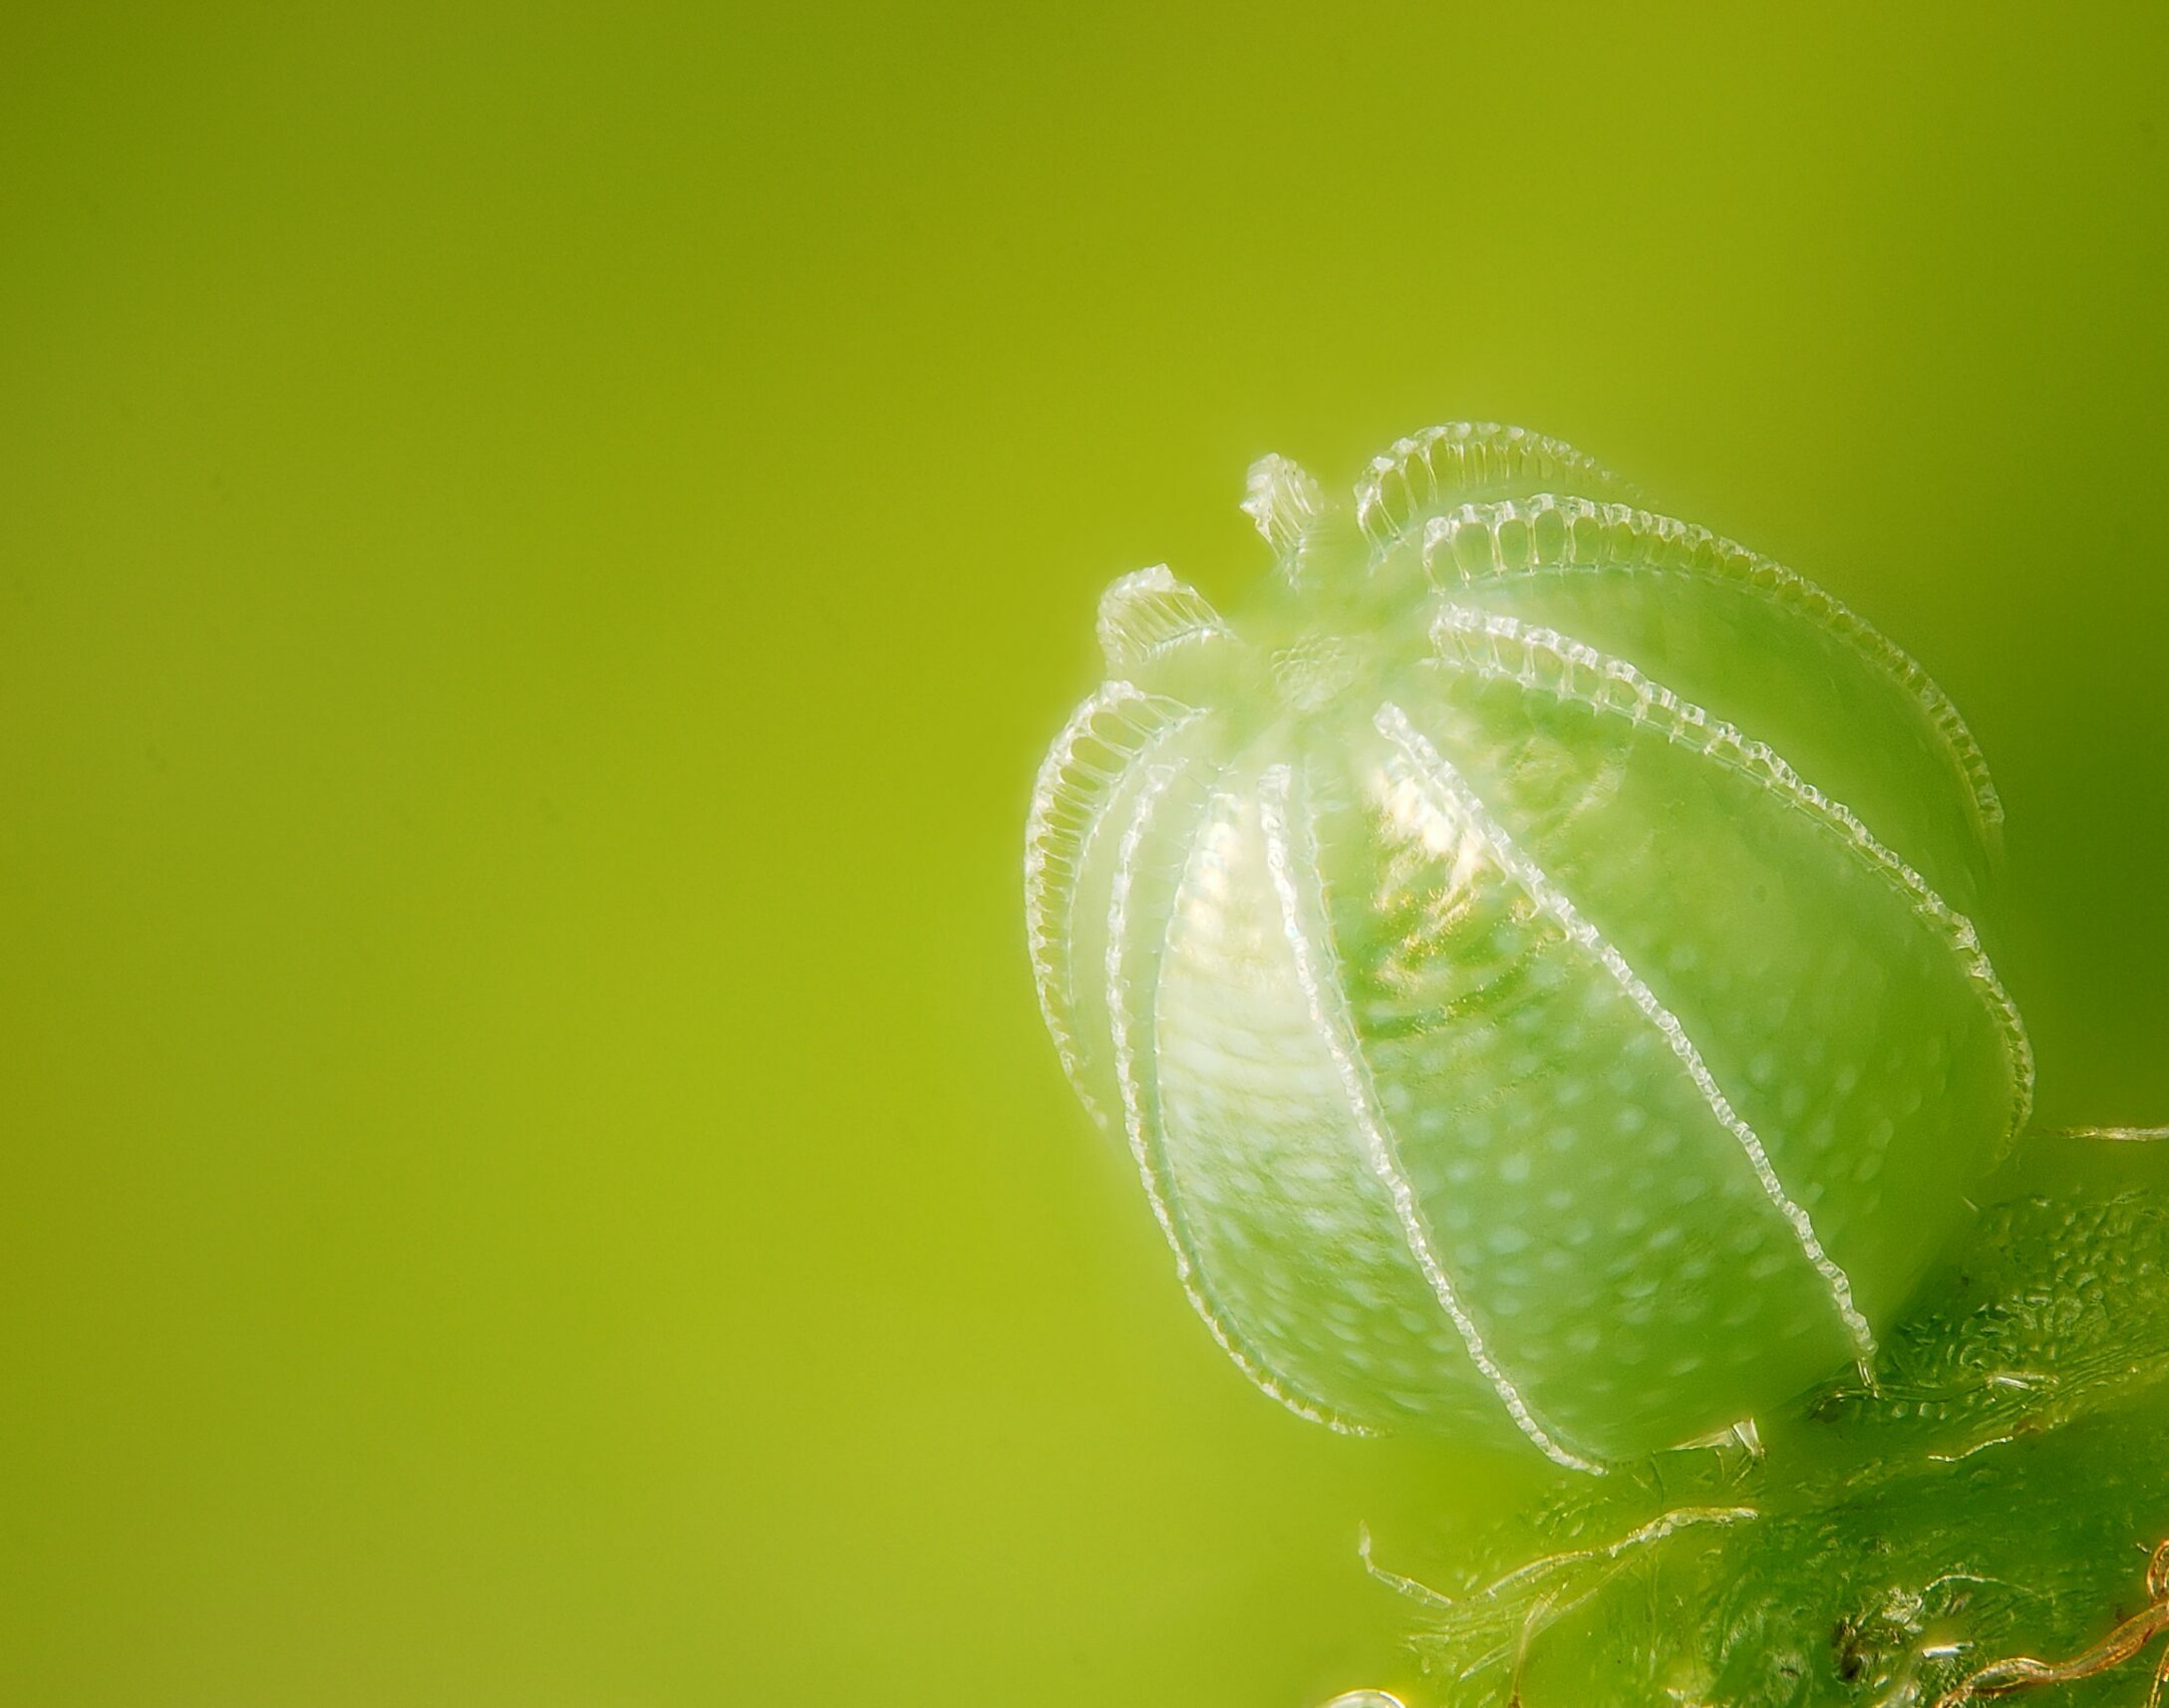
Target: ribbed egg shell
point(1528, 957)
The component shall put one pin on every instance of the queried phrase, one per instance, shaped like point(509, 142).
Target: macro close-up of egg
point(1529, 951)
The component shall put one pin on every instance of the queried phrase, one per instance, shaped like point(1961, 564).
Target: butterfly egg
point(1528, 957)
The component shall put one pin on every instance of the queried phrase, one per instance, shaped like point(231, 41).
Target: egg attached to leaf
point(1528, 953)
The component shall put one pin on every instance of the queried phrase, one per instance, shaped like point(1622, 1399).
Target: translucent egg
point(1528, 955)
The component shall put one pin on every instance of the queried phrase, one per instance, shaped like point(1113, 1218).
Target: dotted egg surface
point(1529, 955)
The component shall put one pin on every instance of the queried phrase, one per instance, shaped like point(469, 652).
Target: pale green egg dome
point(1528, 955)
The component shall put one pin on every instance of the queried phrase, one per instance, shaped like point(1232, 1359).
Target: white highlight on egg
point(1123, 980)
point(1320, 980)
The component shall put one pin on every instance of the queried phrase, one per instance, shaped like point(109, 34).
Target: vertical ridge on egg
point(1259, 1150)
point(1850, 1013)
point(1506, 649)
point(1299, 885)
point(1198, 1211)
point(1674, 1247)
point(1094, 761)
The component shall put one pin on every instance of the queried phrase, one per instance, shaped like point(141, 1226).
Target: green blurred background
point(539, 549)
